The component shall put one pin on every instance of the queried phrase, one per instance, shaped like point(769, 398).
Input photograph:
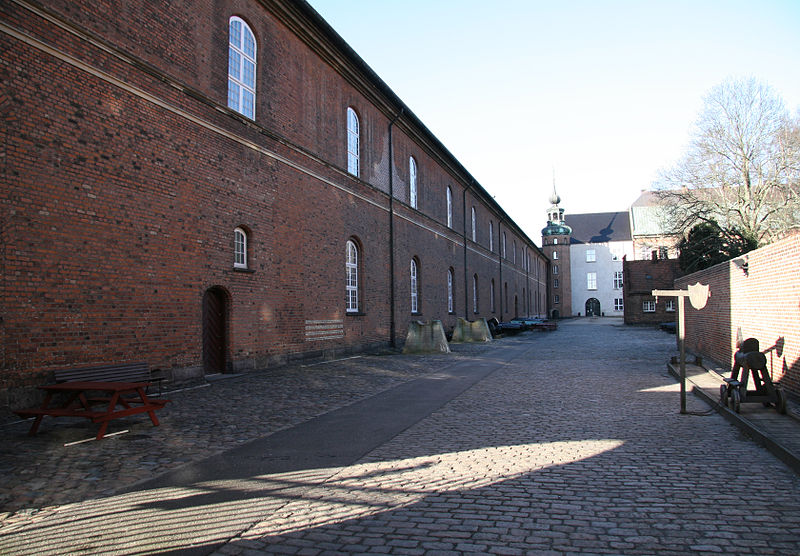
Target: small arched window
point(239, 248)
point(412, 182)
point(241, 68)
point(353, 138)
point(414, 287)
point(449, 208)
point(351, 272)
point(450, 304)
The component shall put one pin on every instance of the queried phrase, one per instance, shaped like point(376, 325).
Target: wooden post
point(698, 295)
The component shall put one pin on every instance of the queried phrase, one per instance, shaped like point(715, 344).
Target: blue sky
point(603, 92)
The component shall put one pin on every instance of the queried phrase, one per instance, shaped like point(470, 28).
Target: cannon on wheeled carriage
point(751, 362)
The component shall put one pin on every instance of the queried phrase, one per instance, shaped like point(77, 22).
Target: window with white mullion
point(353, 153)
point(412, 188)
point(239, 248)
point(241, 68)
point(414, 287)
point(351, 270)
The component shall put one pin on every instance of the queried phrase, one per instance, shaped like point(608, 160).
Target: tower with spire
point(555, 244)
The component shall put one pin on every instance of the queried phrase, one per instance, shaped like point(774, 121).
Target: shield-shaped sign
point(698, 295)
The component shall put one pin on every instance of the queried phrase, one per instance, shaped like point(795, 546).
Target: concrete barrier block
point(426, 337)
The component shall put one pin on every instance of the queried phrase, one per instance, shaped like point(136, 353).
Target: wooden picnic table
point(82, 400)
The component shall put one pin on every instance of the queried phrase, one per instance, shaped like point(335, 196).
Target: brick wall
point(762, 303)
point(125, 175)
point(640, 278)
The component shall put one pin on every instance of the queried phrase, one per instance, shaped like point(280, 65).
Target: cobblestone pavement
point(576, 445)
point(43, 472)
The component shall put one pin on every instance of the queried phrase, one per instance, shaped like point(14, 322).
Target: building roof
point(599, 227)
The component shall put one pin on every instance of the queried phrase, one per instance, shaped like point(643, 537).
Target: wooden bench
point(121, 372)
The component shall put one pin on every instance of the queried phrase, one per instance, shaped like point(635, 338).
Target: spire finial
point(554, 198)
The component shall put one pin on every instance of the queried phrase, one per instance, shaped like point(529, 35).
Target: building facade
point(223, 186)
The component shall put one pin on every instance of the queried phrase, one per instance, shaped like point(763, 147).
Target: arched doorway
point(592, 307)
point(215, 330)
point(555, 314)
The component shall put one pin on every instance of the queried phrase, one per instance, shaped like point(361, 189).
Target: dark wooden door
point(214, 331)
point(593, 307)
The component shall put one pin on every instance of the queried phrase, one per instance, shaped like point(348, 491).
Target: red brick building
point(640, 278)
point(215, 186)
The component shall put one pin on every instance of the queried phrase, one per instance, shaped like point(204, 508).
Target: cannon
point(750, 362)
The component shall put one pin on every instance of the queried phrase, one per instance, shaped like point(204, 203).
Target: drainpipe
point(500, 264)
point(392, 316)
point(464, 237)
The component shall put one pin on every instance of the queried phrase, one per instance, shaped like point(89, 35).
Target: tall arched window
point(449, 208)
point(414, 287)
point(475, 293)
point(503, 246)
point(412, 182)
point(514, 252)
point(239, 248)
point(241, 68)
point(491, 236)
point(450, 305)
point(353, 157)
point(491, 297)
point(351, 271)
point(474, 225)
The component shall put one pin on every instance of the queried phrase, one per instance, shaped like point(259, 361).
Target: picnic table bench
point(99, 394)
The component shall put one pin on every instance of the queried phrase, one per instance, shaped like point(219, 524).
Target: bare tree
point(741, 171)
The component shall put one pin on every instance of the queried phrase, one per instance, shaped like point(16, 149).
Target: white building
point(599, 242)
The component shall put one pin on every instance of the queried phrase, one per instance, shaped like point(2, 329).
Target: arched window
point(555, 255)
point(412, 182)
point(474, 225)
point(449, 208)
point(491, 236)
point(239, 248)
point(351, 271)
point(241, 68)
point(450, 304)
point(414, 287)
point(491, 297)
point(514, 252)
point(353, 157)
point(503, 246)
point(475, 293)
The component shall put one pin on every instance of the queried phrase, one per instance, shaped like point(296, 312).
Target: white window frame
point(591, 256)
point(450, 305)
point(242, 49)
point(239, 248)
point(353, 142)
point(555, 269)
point(619, 304)
point(556, 300)
point(648, 306)
point(414, 287)
point(669, 305)
point(351, 272)
point(412, 182)
point(555, 255)
point(449, 207)
point(591, 280)
point(618, 277)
